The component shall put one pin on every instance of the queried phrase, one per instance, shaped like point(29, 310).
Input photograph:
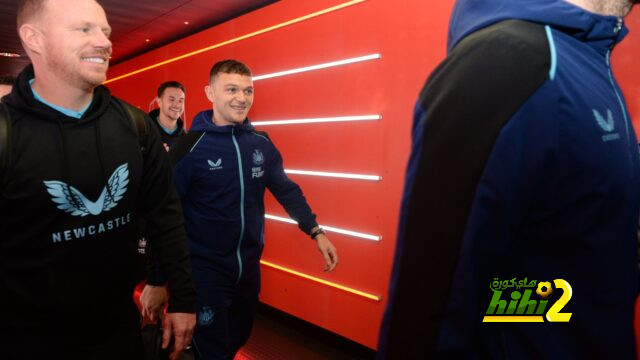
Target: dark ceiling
point(137, 25)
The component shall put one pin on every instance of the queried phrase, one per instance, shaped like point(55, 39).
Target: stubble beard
point(68, 74)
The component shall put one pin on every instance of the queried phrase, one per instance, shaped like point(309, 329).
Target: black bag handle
point(138, 122)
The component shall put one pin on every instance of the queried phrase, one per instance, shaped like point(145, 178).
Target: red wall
point(410, 35)
point(625, 64)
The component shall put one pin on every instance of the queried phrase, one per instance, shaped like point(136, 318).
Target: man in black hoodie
point(168, 121)
point(167, 117)
point(78, 179)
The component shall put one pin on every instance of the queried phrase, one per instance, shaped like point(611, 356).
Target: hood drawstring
point(96, 128)
point(65, 165)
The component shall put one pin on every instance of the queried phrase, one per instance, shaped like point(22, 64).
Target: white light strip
point(317, 67)
point(317, 120)
point(334, 174)
point(329, 228)
point(278, 218)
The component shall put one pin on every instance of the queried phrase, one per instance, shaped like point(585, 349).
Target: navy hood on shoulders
point(471, 15)
point(203, 121)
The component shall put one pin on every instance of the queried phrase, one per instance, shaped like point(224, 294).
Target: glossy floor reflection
point(280, 336)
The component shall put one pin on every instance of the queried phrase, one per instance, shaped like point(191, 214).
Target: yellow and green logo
point(521, 307)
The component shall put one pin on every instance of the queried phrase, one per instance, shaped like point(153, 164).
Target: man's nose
point(241, 97)
point(101, 41)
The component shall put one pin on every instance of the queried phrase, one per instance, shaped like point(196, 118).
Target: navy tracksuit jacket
point(221, 173)
point(524, 164)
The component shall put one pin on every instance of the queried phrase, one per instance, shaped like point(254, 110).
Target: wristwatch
point(316, 233)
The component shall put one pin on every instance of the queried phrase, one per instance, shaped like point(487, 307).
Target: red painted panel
point(624, 60)
point(410, 35)
point(625, 66)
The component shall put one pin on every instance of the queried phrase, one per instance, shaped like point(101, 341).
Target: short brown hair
point(28, 10)
point(170, 84)
point(229, 66)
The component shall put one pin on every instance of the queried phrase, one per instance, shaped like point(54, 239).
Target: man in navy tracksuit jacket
point(524, 164)
point(222, 167)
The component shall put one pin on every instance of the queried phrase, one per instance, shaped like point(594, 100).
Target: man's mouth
point(95, 60)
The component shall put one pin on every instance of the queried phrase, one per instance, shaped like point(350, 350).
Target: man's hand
point(328, 251)
point(153, 299)
point(180, 325)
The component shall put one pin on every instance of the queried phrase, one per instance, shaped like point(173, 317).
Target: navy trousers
point(224, 319)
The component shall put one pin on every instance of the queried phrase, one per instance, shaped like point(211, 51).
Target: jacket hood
point(203, 122)
point(599, 30)
point(21, 98)
point(153, 114)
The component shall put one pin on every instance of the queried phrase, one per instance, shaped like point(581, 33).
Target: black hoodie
point(69, 209)
point(167, 138)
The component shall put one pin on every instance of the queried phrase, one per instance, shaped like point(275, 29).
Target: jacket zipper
point(615, 90)
point(233, 137)
point(617, 30)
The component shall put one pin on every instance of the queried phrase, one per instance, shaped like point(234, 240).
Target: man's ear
point(32, 38)
point(208, 90)
point(158, 102)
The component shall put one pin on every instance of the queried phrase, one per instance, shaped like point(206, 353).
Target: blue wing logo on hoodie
point(606, 125)
point(71, 200)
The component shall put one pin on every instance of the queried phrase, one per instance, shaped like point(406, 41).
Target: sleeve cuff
point(181, 306)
